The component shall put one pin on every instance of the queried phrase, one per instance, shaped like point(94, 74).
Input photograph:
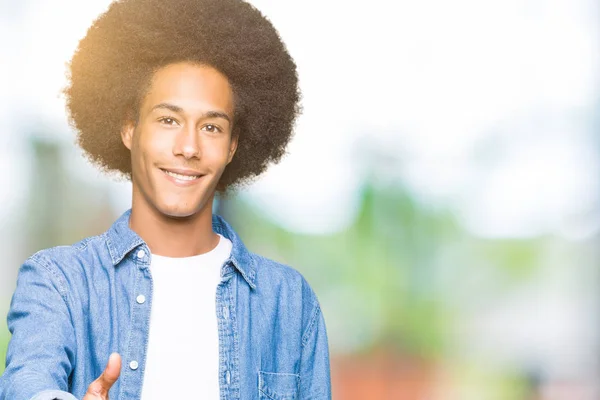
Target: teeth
point(181, 177)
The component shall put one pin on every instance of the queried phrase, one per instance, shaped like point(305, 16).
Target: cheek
point(151, 145)
point(218, 156)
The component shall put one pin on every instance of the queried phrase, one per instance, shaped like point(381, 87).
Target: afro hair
point(113, 65)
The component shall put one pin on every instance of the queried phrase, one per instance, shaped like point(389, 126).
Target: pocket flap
point(279, 386)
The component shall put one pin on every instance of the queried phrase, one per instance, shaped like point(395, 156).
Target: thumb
point(100, 387)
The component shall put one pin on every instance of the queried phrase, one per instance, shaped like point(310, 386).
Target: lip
point(186, 172)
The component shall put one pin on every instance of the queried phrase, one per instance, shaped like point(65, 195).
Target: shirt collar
point(121, 240)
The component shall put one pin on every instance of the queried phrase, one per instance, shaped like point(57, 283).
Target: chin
point(180, 210)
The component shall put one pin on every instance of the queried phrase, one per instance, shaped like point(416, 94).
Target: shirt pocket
point(278, 386)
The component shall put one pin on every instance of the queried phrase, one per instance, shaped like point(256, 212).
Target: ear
point(232, 148)
point(127, 134)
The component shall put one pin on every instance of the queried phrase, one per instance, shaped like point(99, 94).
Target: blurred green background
point(441, 194)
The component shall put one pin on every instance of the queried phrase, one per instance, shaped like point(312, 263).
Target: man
point(187, 98)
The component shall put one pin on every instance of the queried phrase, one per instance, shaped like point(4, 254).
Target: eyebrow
point(208, 114)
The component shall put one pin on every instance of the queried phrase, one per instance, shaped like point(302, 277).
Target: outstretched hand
point(98, 390)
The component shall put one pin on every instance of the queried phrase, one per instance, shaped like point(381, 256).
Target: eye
point(167, 121)
point(211, 128)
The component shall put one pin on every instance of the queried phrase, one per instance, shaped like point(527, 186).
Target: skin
point(184, 126)
point(98, 390)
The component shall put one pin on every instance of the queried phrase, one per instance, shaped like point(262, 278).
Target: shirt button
point(133, 365)
point(141, 299)
point(228, 377)
point(141, 254)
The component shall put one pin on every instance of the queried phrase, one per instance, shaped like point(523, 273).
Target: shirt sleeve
point(54, 395)
point(40, 353)
point(315, 380)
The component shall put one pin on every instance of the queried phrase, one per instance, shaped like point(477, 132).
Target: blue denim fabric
point(75, 305)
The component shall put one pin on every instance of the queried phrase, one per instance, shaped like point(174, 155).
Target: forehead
point(193, 87)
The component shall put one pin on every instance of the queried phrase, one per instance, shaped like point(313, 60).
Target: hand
point(98, 390)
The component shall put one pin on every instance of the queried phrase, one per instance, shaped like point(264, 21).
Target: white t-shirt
point(183, 344)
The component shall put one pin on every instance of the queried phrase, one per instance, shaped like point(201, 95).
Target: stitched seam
point(127, 347)
point(38, 261)
point(262, 382)
point(311, 325)
point(266, 394)
point(111, 248)
point(280, 373)
point(234, 332)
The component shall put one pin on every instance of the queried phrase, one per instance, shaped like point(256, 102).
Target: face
point(182, 141)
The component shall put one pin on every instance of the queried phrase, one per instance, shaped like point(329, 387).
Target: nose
point(187, 143)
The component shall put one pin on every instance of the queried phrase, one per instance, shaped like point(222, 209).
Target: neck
point(174, 236)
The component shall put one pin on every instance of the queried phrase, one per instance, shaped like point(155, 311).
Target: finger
point(100, 387)
point(113, 369)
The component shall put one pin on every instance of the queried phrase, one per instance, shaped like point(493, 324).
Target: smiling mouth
point(181, 177)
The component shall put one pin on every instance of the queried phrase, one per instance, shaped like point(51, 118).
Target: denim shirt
point(75, 305)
